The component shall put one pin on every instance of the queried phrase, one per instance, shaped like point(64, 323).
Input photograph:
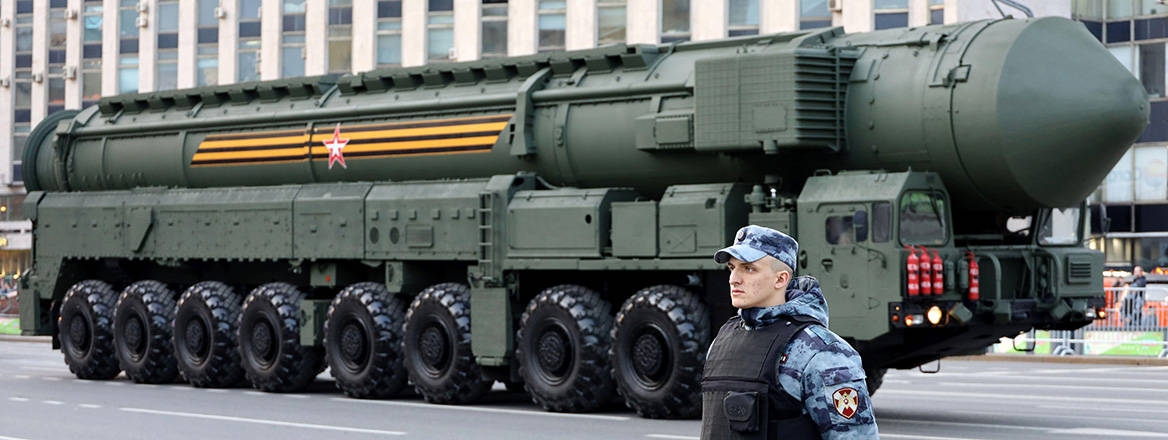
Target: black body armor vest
point(741, 395)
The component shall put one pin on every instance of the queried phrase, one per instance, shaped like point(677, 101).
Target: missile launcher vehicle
point(549, 221)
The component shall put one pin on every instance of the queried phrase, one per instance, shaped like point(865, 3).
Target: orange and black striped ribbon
point(414, 138)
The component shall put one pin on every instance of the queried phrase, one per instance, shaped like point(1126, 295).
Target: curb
point(1052, 359)
point(18, 338)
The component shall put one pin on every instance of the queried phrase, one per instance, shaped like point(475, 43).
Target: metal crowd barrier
point(1135, 322)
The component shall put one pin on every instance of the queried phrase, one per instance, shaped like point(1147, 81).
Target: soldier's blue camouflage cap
point(754, 242)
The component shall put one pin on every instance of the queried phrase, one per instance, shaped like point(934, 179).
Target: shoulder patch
point(824, 335)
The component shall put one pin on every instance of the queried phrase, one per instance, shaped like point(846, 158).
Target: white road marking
point(53, 402)
point(965, 424)
point(1027, 378)
point(51, 378)
point(254, 393)
point(22, 376)
point(296, 396)
point(18, 399)
point(1039, 385)
point(998, 397)
point(262, 421)
point(214, 390)
point(1107, 433)
point(11, 438)
point(89, 405)
point(1120, 410)
point(54, 370)
point(480, 409)
point(114, 384)
point(922, 437)
point(671, 436)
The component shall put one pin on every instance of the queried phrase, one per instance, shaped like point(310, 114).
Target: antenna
point(1020, 7)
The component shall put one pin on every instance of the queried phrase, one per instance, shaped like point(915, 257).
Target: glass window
point(292, 46)
point(128, 22)
point(207, 73)
point(91, 85)
point(168, 17)
point(1119, 9)
point(441, 6)
point(881, 222)
point(891, 4)
point(389, 49)
point(340, 36)
point(1085, 9)
point(494, 29)
point(610, 22)
point(1152, 7)
point(551, 31)
point(1117, 187)
point(248, 71)
point(295, 6)
point(291, 61)
point(814, 14)
point(1059, 227)
point(249, 10)
point(838, 230)
point(439, 30)
point(57, 25)
point(674, 20)
point(207, 13)
point(167, 75)
point(1151, 173)
point(922, 218)
point(24, 38)
point(340, 55)
point(128, 79)
point(1152, 68)
point(441, 41)
point(56, 91)
point(92, 26)
point(22, 94)
point(743, 17)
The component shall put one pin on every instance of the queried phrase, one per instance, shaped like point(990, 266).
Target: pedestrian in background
point(775, 370)
point(1133, 298)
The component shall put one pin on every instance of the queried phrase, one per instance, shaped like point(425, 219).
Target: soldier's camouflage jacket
point(819, 366)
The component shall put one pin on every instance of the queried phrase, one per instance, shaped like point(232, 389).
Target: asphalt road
point(40, 400)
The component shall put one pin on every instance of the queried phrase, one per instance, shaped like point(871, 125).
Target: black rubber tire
point(363, 341)
point(143, 332)
point(204, 335)
point(269, 340)
point(442, 368)
point(667, 329)
point(875, 379)
point(86, 326)
point(562, 349)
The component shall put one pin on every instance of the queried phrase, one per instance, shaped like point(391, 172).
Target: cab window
point(881, 222)
point(922, 218)
point(839, 230)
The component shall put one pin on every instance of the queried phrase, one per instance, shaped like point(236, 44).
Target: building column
point(364, 35)
point(188, 43)
point(272, 23)
point(918, 13)
point(315, 37)
point(709, 19)
point(468, 35)
point(109, 47)
point(856, 16)
point(414, 33)
point(522, 27)
point(581, 25)
point(73, 47)
point(8, 54)
point(778, 16)
point(40, 62)
point(148, 48)
point(643, 22)
point(228, 42)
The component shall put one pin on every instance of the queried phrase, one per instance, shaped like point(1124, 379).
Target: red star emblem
point(846, 401)
point(335, 145)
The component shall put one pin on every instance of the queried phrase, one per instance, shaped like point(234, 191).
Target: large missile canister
point(1013, 114)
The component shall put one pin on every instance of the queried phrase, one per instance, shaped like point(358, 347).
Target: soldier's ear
point(782, 278)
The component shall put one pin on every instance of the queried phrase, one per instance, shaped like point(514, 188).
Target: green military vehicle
point(570, 204)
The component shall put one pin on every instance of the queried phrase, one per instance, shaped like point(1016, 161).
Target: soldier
point(775, 370)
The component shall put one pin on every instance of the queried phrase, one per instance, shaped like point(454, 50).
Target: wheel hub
point(262, 341)
point(79, 334)
point(553, 352)
point(433, 347)
point(648, 356)
point(196, 338)
point(133, 335)
point(353, 343)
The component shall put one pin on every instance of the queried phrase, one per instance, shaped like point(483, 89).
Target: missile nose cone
point(1066, 110)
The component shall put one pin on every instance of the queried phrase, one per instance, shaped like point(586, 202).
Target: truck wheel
point(86, 324)
point(875, 379)
point(362, 339)
point(659, 346)
point(563, 343)
point(269, 340)
point(204, 335)
point(142, 332)
point(437, 346)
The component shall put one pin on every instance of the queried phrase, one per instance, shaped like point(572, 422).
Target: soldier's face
point(757, 284)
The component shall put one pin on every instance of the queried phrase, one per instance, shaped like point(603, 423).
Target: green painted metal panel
point(423, 220)
point(313, 314)
point(329, 221)
point(491, 325)
point(697, 220)
point(634, 229)
point(562, 223)
point(225, 223)
point(81, 225)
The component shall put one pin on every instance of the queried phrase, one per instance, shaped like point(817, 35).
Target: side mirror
point(860, 225)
